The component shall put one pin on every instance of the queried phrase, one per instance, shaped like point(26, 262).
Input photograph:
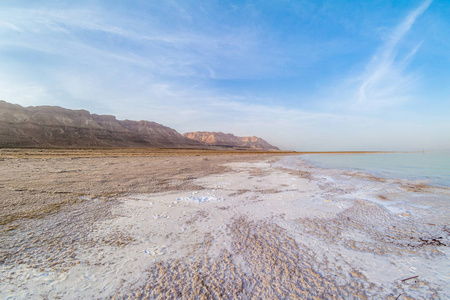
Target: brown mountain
point(230, 140)
point(53, 126)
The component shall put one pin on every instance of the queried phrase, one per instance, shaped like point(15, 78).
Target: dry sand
point(197, 225)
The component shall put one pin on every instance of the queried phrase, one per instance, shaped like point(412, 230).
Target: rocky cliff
point(52, 126)
point(230, 140)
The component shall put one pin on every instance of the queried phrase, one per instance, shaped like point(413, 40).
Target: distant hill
point(230, 140)
point(53, 126)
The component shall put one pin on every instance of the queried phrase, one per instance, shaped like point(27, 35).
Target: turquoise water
point(431, 166)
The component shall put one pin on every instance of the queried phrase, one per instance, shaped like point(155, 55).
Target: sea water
point(432, 167)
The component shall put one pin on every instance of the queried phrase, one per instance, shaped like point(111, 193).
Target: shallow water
point(433, 167)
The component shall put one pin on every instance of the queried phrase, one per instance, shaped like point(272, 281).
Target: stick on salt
point(409, 278)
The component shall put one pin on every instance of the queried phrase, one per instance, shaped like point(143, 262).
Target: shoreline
point(326, 232)
point(52, 152)
point(390, 168)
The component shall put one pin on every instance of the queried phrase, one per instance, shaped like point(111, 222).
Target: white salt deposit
point(197, 197)
point(374, 232)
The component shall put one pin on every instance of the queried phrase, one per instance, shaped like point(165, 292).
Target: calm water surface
point(431, 166)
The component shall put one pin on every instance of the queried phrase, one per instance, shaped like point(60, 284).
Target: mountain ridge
point(54, 126)
point(230, 140)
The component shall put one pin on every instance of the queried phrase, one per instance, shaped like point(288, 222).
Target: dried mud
point(51, 182)
point(135, 226)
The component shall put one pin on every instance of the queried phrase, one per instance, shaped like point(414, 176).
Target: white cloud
point(148, 81)
point(25, 93)
point(386, 81)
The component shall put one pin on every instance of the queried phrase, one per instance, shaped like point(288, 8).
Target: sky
point(303, 75)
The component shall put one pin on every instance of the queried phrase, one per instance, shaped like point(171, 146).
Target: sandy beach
point(204, 225)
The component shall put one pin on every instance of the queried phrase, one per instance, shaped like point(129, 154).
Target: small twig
point(409, 278)
point(398, 296)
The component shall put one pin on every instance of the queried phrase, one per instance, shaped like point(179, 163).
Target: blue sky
point(304, 75)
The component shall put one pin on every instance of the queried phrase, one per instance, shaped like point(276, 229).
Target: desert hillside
point(53, 126)
point(230, 140)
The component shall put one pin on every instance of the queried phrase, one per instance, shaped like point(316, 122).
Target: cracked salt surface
point(378, 246)
point(263, 228)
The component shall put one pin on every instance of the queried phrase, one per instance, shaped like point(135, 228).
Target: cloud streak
point(163, 50)
point(211, 67)
point(385, 81)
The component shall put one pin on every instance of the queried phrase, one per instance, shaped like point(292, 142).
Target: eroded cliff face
point(230, 140)
point(52, 126)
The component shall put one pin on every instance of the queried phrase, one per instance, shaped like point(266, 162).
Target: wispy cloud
point(386, 81)
point(188, 66)
point(89, 34)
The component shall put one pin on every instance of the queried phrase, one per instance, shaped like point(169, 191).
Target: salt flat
point(259, 227)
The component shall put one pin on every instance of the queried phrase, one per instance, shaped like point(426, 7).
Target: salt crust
point(264, 230)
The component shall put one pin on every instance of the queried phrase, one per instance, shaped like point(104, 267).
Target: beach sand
point(199, 225)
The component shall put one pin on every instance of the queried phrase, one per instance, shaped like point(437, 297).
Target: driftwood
point(403, 280)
